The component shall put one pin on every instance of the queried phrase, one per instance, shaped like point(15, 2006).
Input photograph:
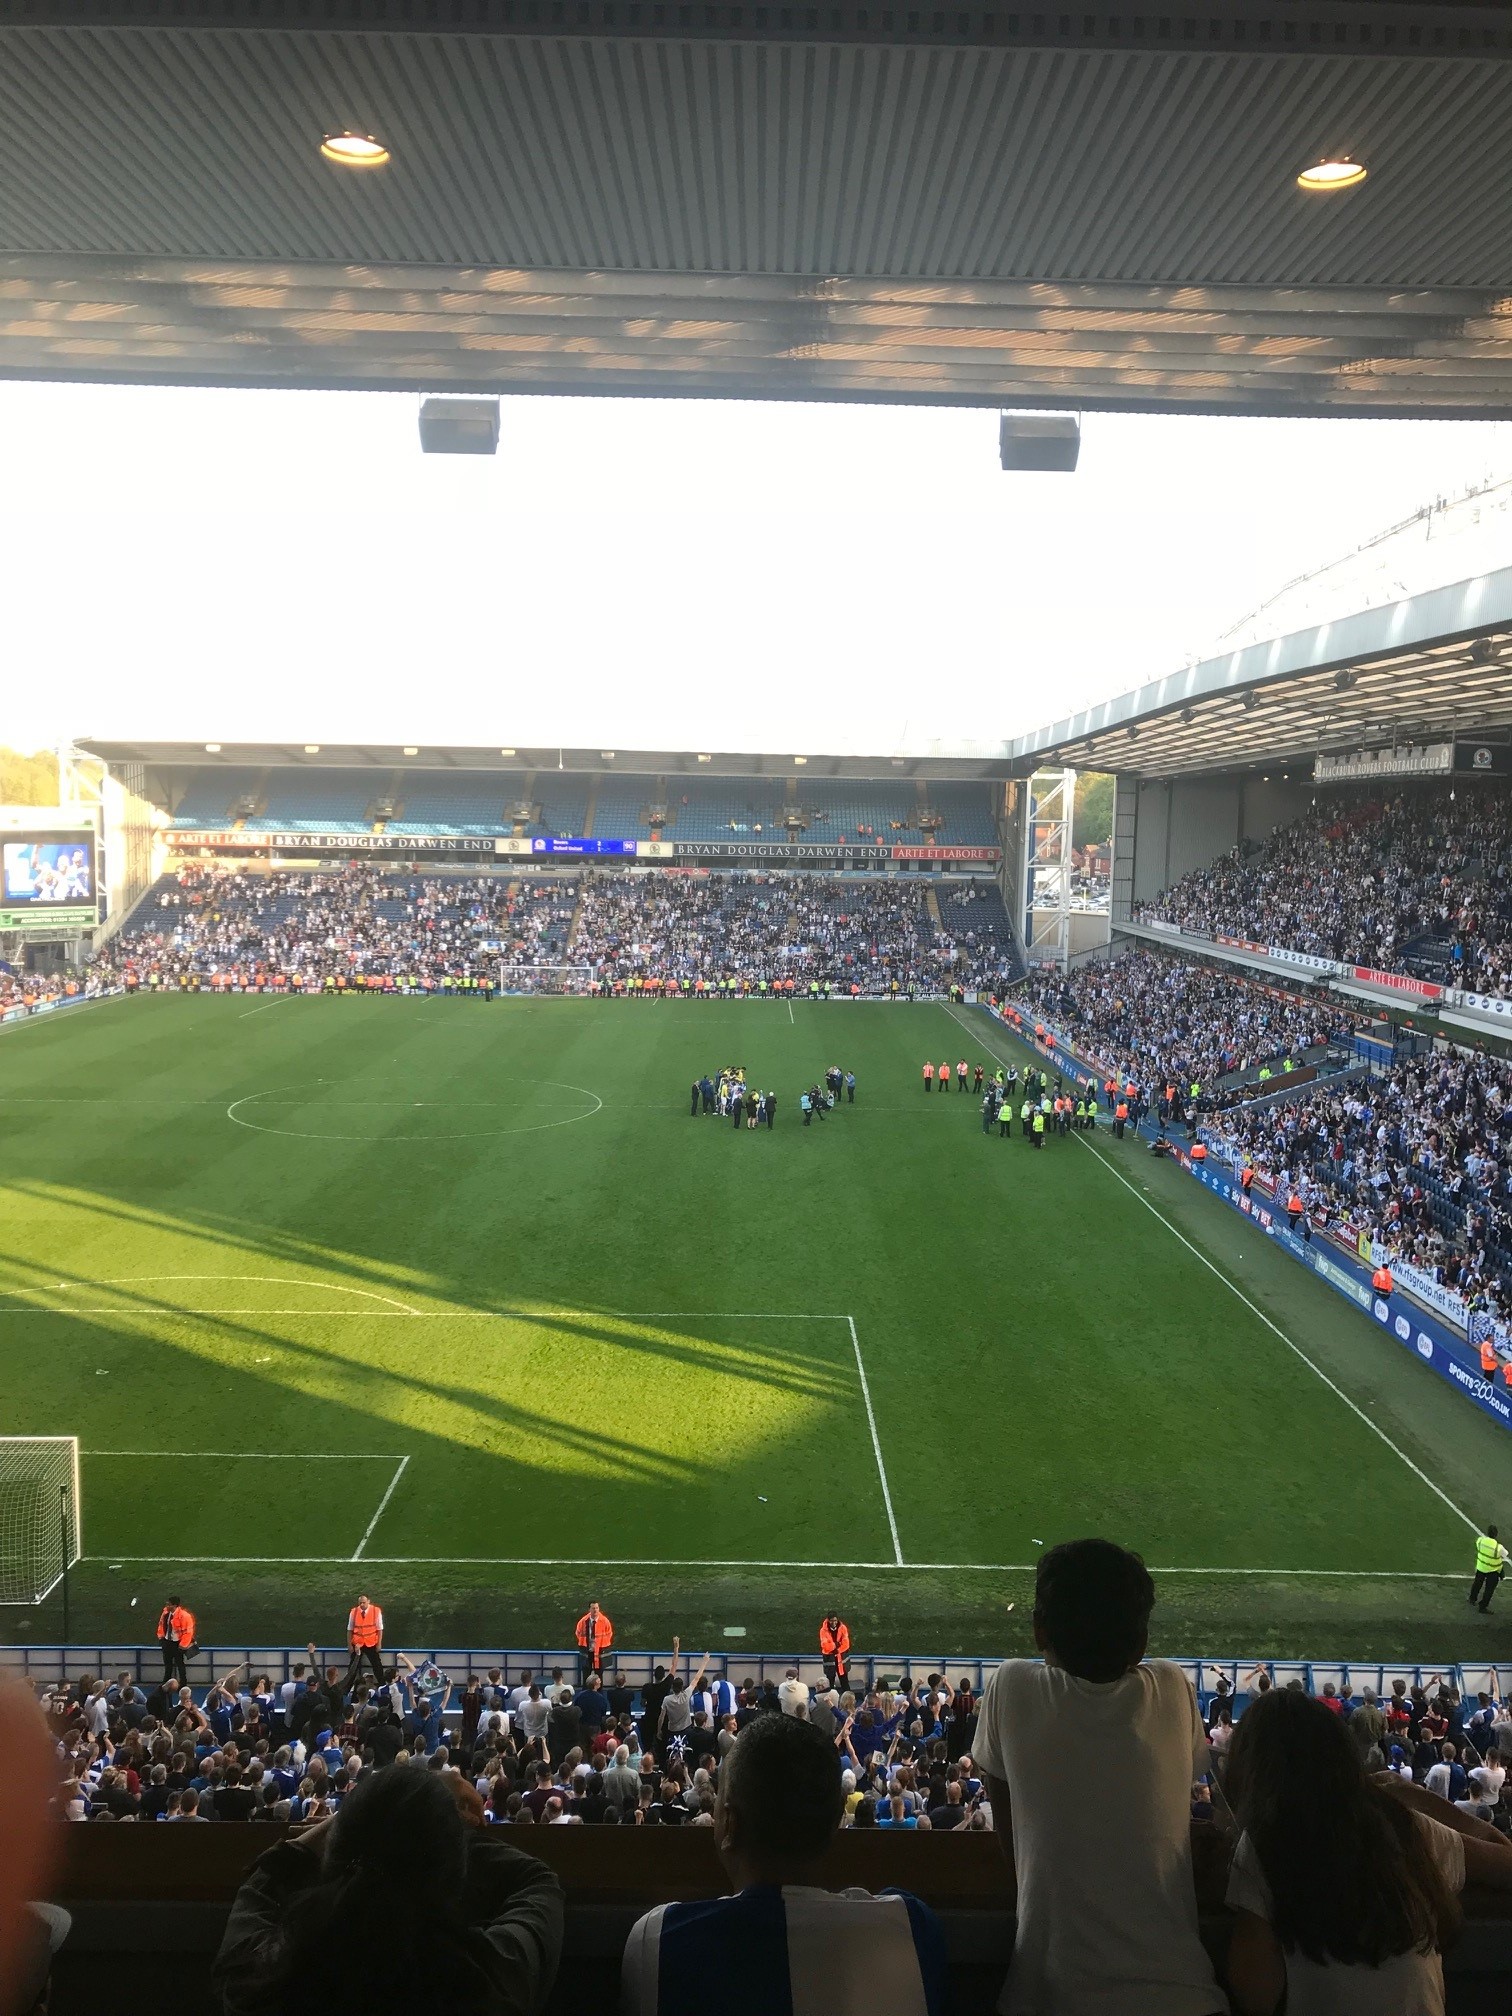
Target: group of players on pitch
point(1042, 1110)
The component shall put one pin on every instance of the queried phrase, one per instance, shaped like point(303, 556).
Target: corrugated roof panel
point(711, 156)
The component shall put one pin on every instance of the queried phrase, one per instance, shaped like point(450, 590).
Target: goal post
point(545, 979)
point(41, 1516)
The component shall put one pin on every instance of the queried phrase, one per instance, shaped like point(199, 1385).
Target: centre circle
point(430, 1119)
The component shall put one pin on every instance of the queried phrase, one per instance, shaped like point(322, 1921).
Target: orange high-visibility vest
point(179, 1621)
point(1381, 1280)
point(595, 1634)
point(944, 1074)
point(1199, 1151)
point(365, 1627)
point(834, 1644)
point(1488, 1357)
point(929, 1070)
point(1294, 1204)
point(1120, 1111)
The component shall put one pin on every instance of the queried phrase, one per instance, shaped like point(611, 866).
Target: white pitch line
point(647, 1561)
point(790, 1012)
point(871, 1422)
point(382, 1506)
point(1256, 1310)
point(255, 1455)
point(266, 1005)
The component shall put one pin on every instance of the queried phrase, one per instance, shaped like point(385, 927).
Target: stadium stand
point(719, 809)
point(328, 801)
point(564, 804)
point(432, 802)
point(210, 794)
point(1419, 882)
point(282, 1740)
point(965, 812)
point(1418, 1156)
point(224, 928)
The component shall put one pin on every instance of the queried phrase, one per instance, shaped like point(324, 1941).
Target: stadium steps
point(932, 905)
point(588, 818)
point(577, 913)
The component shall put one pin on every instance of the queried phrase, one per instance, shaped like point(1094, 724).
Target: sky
point(192, 564)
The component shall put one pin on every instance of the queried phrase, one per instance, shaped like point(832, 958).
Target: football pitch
point(457, 1303)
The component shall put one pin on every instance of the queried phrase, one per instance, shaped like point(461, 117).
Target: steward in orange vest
point(1120, 1118)
point(1294, 1208)
point(595, 1634)
point(364, 1636)
point(834, 1647)
point(1488, 1358)
point(1199, 1151)
point(1381, 1280)
point(175, 1632)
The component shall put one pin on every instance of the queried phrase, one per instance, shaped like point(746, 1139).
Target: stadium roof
point(384, 758)
point(1093, 207)
point(1429, 668)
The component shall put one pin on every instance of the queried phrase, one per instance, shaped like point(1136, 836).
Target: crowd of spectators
point(1418, 1157)
point(874, 937)
point(536, 1748)
point(229, 926)
point(1362, 880)
point(1344, 1823)
point(359, 924)
point(1157, 1020)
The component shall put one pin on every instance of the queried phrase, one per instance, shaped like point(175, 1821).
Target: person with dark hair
point(1107, 1907)
point(432, 1914)
point(781, 1943)
point(1343, 1886)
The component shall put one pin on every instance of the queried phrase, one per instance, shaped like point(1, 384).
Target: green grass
point(578, 1342)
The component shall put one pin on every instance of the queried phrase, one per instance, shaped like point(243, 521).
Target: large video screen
point(54, 871)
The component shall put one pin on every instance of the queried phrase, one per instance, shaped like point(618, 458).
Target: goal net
point(545, 979)
point(40, 1518)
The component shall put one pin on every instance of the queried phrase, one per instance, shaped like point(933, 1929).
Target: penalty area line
point(382, 1507)
point(1255, 1310)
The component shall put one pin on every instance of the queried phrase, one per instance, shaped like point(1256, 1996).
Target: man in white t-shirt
point(793, 1693)
point(1089, 1760)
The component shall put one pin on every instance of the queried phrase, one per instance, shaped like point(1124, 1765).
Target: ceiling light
point(800, 759)
point(354, 150)
point(606, 755)
point(409, 752)
point(1334, 172)
point(706, 759)
point(506, 752)
point(312, 748)
point(212, 748)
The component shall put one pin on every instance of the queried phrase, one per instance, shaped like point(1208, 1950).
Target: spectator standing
point(1107, 1908)
point(781, 1942)
point(364, 1640)
point(1343, 1889)
point(595, 1634)
point(175, 1632)
point(834, 1648)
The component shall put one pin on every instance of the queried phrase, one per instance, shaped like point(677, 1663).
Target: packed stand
point(1338, 1829)
point(1417, 1157)
point(1158, 1020)
point(226, 927)
point(1421, 879)
point(873, 938)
